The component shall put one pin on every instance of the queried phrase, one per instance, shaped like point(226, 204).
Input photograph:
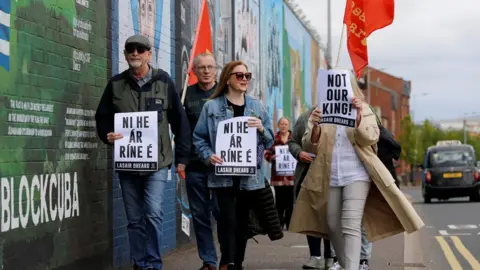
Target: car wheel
point(475, 197)
point(426, 197)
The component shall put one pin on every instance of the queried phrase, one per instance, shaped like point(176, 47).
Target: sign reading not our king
point(138, 149)
point(335, 95)
point(236, 145)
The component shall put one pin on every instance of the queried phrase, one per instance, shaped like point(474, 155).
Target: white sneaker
point(364, 266)
point(328, 263)
point(314, 263)
point(336, 266)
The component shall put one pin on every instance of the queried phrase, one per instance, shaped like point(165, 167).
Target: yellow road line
point(466, 253)
point(454, 263)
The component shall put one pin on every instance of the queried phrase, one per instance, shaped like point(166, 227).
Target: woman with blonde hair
point(347, 184)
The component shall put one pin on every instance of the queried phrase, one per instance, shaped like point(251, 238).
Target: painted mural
point(271, 41)
point(55, 59)
point(295, 65)
point(247, 40)
point(223, 32)
point(151, 18)
point(53, 67)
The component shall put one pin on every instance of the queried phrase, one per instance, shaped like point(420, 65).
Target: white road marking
point(445, 233)
point(463, 227)
point(299, 246)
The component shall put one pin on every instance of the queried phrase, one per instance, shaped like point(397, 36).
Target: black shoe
point(206, 266)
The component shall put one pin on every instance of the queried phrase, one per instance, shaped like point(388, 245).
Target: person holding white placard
point(235, 194)
point(282, 182)
point(347, 184)
point(143, 88)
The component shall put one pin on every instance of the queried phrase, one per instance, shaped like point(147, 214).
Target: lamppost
point(415, 152)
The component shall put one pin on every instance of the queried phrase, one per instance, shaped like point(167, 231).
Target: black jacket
point(263, 216)
point(388, 149)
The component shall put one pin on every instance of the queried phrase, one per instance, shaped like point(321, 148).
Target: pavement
point(450, 240)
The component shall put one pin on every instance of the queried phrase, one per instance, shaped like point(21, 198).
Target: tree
point(410, 142)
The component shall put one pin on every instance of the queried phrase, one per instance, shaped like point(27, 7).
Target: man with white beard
point(144, 88)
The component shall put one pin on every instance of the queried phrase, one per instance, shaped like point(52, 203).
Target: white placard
point(335, 97)
point(138, 149)
point(185, 224)
point(236, 145)
point(285, 163)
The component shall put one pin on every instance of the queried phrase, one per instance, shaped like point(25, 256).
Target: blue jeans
point(202, 202)
point(143, 198)
point(366, 251)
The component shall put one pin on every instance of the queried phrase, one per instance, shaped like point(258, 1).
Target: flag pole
point(185, 85)
point(340, 45)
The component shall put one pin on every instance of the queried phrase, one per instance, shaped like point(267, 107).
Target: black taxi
point(450, 171)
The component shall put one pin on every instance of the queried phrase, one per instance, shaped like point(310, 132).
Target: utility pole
point(465, 130)
point(329, 41)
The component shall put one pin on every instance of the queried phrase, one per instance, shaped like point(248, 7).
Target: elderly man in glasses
point(144, 88)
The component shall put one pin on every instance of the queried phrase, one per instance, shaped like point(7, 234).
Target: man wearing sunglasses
point(144, 88)
point(201, 200)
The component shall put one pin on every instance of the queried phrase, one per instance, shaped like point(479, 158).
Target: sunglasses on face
point(131, 48)
point(241, 75)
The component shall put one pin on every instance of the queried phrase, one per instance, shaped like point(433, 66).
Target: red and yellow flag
point(203, 40)
point(362, 17)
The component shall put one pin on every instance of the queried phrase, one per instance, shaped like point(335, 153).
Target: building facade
point(390, 97)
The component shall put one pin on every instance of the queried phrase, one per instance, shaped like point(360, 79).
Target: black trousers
point(284, 199)
point(234, 206)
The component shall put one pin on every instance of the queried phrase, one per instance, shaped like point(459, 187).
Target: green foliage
point(426, 135)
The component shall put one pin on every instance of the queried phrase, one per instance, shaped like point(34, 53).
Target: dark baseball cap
point(138, 39)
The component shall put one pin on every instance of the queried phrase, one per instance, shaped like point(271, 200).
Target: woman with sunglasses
point(234, 193)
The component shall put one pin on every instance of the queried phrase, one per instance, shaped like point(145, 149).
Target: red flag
point(362, 17)
point(203, 40)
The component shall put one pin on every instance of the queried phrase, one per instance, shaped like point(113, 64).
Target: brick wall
point(60, 201)
point(55, 190)
point(390, 96)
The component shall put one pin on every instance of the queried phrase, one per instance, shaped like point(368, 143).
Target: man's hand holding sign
point(236, 146)
point(136, 141)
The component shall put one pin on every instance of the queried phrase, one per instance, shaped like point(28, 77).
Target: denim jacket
point(216, 110)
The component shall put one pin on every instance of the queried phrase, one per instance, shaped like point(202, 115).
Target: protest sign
point(236, 145)
point(285, 163)
point(138, 149)
point(335, 98)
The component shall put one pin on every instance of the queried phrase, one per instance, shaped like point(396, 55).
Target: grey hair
point(197, 58)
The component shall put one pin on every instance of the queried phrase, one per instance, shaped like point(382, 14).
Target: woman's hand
point(315, 116)
point(257, 123)
point(214, 159)
point(357, 104)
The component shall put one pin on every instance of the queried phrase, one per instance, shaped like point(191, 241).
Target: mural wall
point(247, 40)
point(60, 200)
point(271, 44)
point(54, 190)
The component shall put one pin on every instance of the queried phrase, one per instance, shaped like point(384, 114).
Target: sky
point(433, 43)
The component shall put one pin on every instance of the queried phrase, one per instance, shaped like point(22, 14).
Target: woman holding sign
point(347, 184)
point(222, 138)
point(283, 168)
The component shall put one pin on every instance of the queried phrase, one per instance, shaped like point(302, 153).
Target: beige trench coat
point(387, 210)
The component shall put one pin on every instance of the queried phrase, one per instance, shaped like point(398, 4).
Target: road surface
point(451, 237)
point(450, 240)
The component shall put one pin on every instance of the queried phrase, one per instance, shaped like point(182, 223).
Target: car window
point(451, 158)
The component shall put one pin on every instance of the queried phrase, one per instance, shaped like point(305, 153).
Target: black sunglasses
point(132, 47)
point(241, 75)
